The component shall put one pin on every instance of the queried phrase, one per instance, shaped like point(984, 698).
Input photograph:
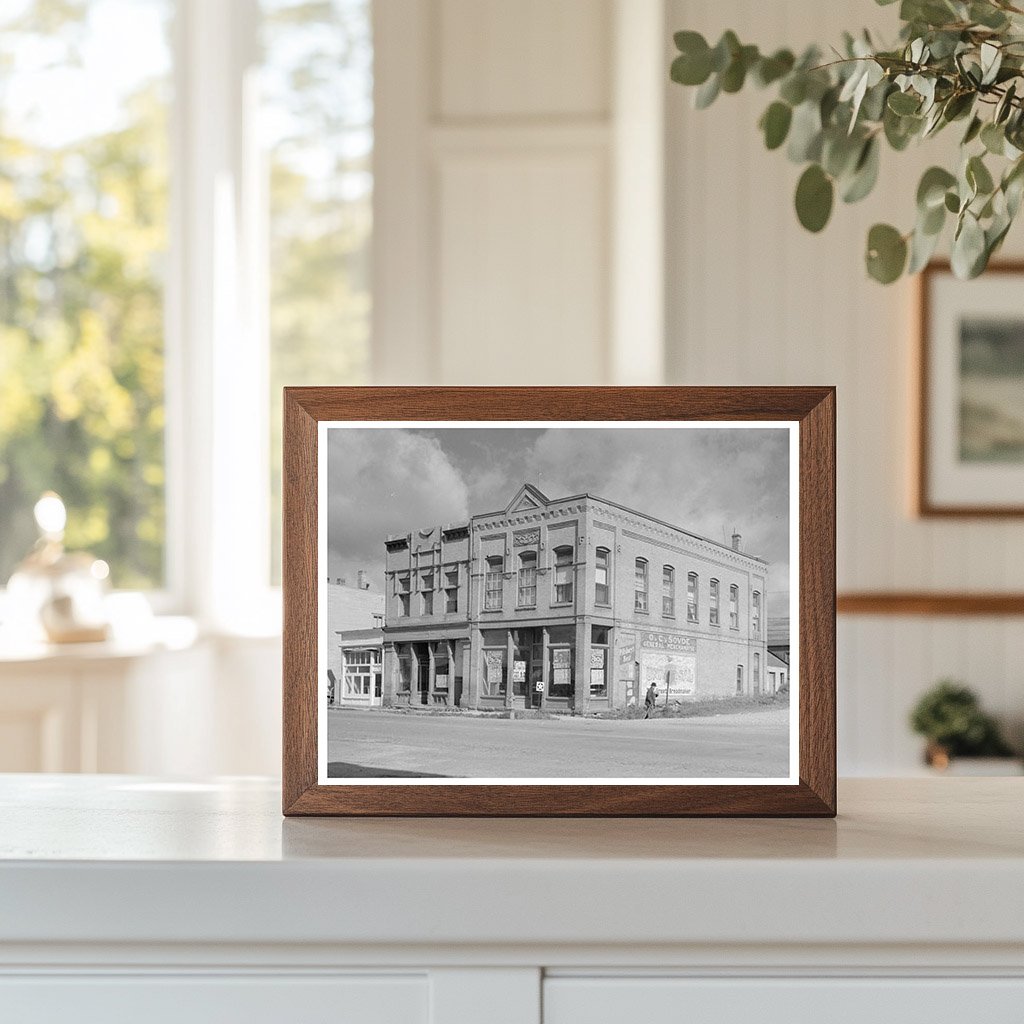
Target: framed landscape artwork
point(559, 601)
point(970, 452)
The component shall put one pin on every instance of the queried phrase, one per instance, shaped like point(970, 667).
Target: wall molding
point(920, 603)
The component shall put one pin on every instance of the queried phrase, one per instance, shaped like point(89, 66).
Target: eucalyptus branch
point(954, 60)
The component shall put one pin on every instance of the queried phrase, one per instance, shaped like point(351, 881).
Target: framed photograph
point(970, 450)
point(559, 601)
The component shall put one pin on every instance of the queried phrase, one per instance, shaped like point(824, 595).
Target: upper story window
point(756, 617)
point(427, 592)
point(692, 610)
point(403, 583)
point(602, 591)
point(668, 591)
point(493, 583)
point(563, 575)
point(734, 607)
point(527, 593)
point(451, 590)
point(714, 609)
point(640, 585)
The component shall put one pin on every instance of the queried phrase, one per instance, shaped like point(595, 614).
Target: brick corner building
point(574, 603)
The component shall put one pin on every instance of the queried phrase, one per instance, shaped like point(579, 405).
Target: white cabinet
point(216, 1000)
point(827, 1000)
point(133, 898)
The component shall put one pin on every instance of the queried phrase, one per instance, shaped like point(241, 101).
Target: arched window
point(602, 567)
point(527, 597)
point(734, 607)
point(563, 575)
point(492, 583)
point(640, 585)
point(755, 624)
point(715, 599)
point(668, 591)
point(691, 597)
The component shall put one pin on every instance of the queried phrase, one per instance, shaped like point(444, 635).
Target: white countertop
point(122, 859)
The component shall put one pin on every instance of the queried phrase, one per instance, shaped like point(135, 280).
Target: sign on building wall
point(625, 645)
point(670, 663)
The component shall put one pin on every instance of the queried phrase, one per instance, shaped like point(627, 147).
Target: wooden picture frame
point(941, 488)
point(809, 415)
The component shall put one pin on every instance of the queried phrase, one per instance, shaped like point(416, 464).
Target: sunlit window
point(83, 236)
point(317, 119)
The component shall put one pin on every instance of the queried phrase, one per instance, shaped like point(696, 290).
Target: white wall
point(754, 299)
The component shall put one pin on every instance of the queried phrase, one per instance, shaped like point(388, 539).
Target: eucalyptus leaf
point(904, 103)
point(993, 138)
point(865, 173)
point(805, 133)
point(814, 196)
point(922, 247)
point(978, 176)
point(931, 190)
point(968, 247)
point(886, 253)
point(707, 93)
point(775, 124)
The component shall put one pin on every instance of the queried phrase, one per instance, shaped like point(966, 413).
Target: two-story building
point(576, 603)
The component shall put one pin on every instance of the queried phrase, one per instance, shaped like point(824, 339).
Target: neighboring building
point(355, 616)
point(576, 603)
point(778, 637)
point(778, 674)
point(360, 682)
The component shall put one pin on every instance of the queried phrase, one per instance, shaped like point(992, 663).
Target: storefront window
point(691, 597)
point(640, 585)
point(492, 583)
point(563, 575)
point(560, 674)
point(599, 661)
point(527, 597)
point(668, 591)
point(714, 602)
point(494, 673)
point(441, 665)
point(359, 669)
point(602, 593)
point(404, 668)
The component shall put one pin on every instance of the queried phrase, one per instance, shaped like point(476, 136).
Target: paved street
point(365, 744)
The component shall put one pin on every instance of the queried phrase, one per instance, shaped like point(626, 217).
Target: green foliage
point(956, 60)
point(949, 715)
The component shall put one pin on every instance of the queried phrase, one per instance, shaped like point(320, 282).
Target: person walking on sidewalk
point(650, 700)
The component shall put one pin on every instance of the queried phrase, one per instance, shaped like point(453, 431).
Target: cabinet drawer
point(202, 999)
point(660, 1000)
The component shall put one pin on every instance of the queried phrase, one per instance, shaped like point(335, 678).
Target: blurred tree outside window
point(83, 237)
point(317, 122)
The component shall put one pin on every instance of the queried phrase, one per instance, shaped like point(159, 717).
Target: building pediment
point(526, 499)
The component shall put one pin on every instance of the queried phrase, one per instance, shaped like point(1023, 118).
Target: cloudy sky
point(706, 480)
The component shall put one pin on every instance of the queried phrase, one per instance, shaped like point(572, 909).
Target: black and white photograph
point(547, 602)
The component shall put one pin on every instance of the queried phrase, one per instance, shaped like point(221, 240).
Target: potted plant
point(956, 62)
point(950, 718)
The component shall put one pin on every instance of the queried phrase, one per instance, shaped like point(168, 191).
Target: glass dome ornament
point(56, 595)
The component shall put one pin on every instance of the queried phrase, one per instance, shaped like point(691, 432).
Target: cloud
point(384, 481)
point(709, 481)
